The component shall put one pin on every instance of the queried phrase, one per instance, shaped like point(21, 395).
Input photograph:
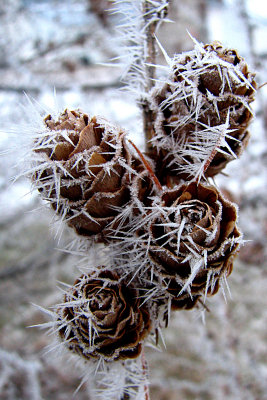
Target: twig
point(53, 47)
point(126, 396)
point(151, 24)
point(145, 373)
point(150, 60)
point(83, 88)
point(147, 166)
point(150, 46)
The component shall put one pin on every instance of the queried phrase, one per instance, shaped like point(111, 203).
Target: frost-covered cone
point(202, 111)
point(102, 317)
point(82, 169)
point(191, 237)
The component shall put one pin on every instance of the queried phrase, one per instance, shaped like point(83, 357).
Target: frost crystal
point(186, 242)
point(139, 17)
point(202, 111)
point(82, 166)
point(167, 239)
point(102, 318)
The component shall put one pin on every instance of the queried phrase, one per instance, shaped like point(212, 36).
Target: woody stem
point(151, 22)
point(126, 395)
point(145, 373)
point(147, 166)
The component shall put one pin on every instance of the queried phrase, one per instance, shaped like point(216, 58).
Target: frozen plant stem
point(147, 166)
point(150, 47)
point(145, 372)
point(151, 25)
point(126, 395)
point(150, 51)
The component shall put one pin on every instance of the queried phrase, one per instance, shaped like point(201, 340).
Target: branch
point(80, 39)
point(150, 46)
point(84, 88)
point(153, 16)
point(145, 373)
point(148, 167)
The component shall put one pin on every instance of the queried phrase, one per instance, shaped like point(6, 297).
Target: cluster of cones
point(172, 236)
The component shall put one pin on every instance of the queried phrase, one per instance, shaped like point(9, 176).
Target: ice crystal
point(138, 17)
point(202, 110)
point(166, 240)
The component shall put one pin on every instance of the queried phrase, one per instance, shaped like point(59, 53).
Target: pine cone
point(103, 317)
point(82, 170)
point(192, 240)
point(204, 103)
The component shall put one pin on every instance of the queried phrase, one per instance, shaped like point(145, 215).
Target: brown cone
point(205, 88)
point(194, 238)
point(82, 170)
point(102, 317)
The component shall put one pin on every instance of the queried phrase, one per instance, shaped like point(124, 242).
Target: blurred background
point(50, 44)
